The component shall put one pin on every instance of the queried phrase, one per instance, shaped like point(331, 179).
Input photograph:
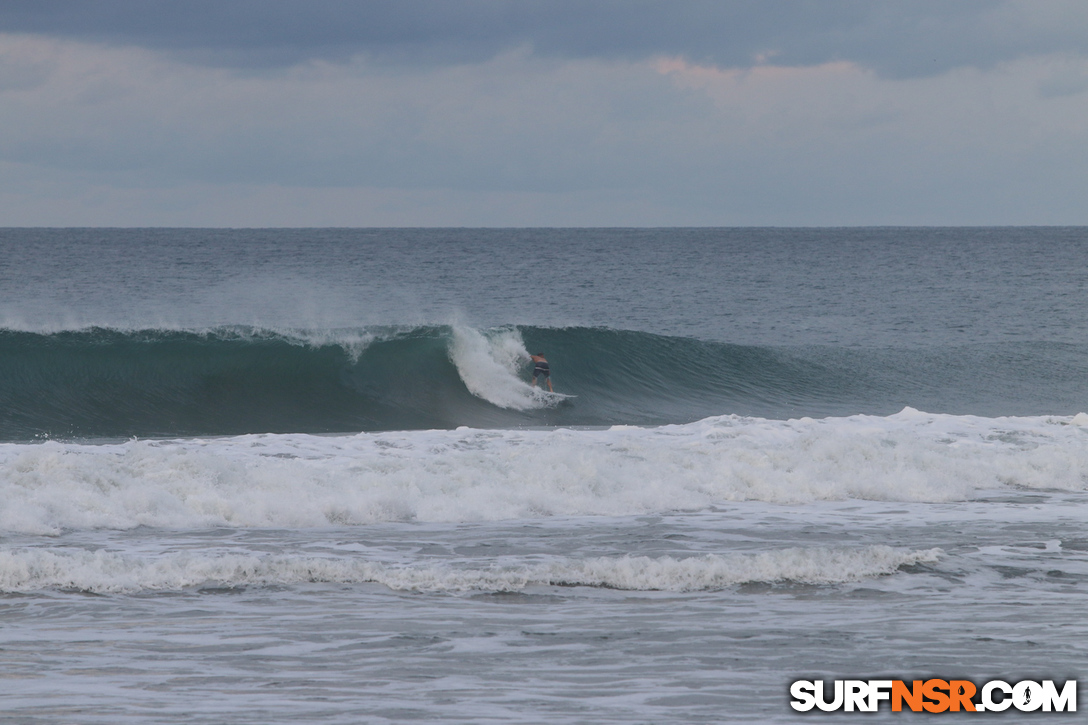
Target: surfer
point(540, 367)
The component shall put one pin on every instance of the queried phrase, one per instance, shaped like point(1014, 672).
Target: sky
point(410, 113)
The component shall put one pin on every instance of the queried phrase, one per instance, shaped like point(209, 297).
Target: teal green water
point(111, 333)
point(106, 384)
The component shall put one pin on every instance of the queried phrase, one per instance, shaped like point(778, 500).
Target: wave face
point(107, 383)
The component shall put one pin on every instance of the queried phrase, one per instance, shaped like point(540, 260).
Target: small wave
point(106, 572)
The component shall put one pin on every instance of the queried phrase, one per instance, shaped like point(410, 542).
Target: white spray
point(489, 364)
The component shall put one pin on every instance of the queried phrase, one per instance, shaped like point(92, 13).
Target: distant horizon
point(617, 227)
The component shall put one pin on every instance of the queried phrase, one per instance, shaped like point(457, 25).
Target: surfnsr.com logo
point(935, 696)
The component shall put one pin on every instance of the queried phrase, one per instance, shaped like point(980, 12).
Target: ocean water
point(258, 476)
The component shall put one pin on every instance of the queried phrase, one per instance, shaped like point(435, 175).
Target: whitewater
point(468, 475)
point(302, 475)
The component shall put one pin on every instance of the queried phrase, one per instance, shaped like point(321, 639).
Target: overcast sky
point(565, 113)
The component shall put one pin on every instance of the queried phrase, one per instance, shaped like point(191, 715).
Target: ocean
point(300, 475)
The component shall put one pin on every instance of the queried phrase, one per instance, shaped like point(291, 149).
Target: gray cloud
point(514, 113)
point(897, 39)
point(128, 135)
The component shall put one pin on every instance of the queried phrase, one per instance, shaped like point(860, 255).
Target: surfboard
point(549, 395)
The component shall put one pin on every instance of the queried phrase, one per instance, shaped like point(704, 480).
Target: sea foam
point(488, 475)
point(33, 569)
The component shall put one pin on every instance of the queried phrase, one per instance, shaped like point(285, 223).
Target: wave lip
point(103, 572)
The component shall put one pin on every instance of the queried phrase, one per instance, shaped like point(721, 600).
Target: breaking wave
point(101, 383)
